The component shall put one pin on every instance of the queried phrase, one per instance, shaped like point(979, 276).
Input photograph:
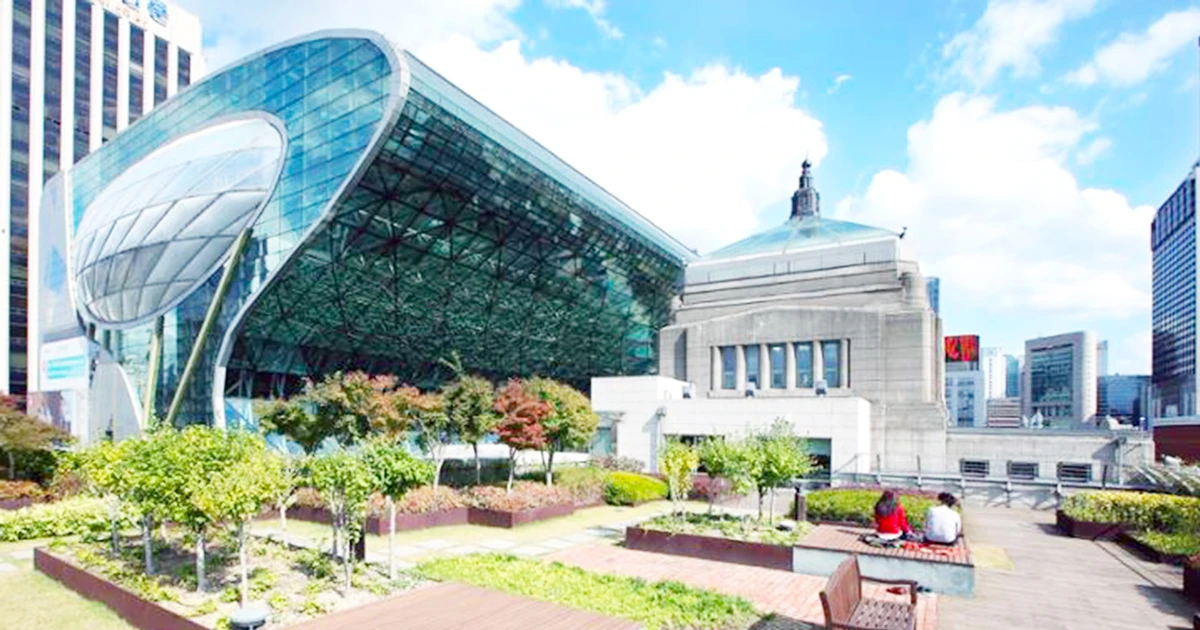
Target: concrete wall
point(1048, 448)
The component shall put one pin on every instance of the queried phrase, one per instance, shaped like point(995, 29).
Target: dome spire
point(806, 201)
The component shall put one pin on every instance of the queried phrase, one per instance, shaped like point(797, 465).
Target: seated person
point(942, 522)
point(890, 521)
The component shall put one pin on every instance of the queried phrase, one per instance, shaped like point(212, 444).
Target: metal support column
point(210, 317)
point(152, 372)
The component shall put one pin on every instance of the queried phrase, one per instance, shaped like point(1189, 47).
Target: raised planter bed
point(1088, 529)
point(378, 525)
point(1150, 553)
point(1191, 582)
point(136, 611)
point(497, 518)
point(710, 548)
point(15, 504)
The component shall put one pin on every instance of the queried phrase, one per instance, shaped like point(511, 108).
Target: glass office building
point(72, 74)
point(1123, 396)
point(333, 203)
point(1173, 311)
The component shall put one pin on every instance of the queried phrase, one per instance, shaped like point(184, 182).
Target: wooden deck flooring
point(846, 538)
point(453, 606)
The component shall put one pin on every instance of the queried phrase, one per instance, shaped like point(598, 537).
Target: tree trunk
point(761, 493)
point(478, 466)
point(438, 461)
point(201, 583)
point(550, 469)
point(241, 534)
point(333, 524)
point(347, 555)
point(12, 465)
point(282, 520)
point(771, 510)
point(512, 467)
point(148, 543)
point(114, 517)
point(391, 538)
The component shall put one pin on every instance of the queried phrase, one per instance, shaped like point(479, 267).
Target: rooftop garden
point(1168, 524)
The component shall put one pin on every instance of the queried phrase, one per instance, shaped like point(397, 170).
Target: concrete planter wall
point(378, 525)
point(497, 518)
point(1191, 582)
point(710, 548)
point(1088, 529)
point(136, 611)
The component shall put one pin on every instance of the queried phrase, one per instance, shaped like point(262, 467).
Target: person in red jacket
point(890, 520)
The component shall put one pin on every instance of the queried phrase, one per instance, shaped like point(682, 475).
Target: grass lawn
point(32, 600)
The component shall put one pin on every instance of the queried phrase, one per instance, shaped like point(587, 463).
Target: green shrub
point(858, 506)
point(82, 516)
point(1143, 510)
point(1176, 544)
point(655, 605)
point(624, 488)
point(585, 483)
point(525, 495)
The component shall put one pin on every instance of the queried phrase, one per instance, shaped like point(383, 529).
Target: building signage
point(65, 364)
point(133, 11)
point(158, 11)
point(962, 348)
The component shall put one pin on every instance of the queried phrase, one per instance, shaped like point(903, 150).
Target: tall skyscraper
point(1012, 386)
point(1173, 310)
point(1122, 396)
point(932, 289)
point(1102, 358)
point(995, 373)
point(73, 73)
point(1060, 378)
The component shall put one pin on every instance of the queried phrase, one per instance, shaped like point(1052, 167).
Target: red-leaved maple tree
point(520, 426)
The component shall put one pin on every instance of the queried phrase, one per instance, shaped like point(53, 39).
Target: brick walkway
point(846, 538)
point(453, 605)
point(791, 595)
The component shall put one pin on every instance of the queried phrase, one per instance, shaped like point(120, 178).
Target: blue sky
point(1023, 143)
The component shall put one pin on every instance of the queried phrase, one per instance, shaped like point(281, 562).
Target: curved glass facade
point(408, 222)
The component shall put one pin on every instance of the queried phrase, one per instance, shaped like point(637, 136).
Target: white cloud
point(1133, 57)
point(992, 209)
point(659, 42)
point(1010, 34)
point(837, 83)
point(595, 9)
point(700, 154)
point(668, 152)
point(1093, 151)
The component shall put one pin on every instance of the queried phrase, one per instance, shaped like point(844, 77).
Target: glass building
point(933, 290)
point(1122, 396)
point(1060, 378)
point(1173, 311)
point(76, 73)
point(1012, 382)
point(333, 203)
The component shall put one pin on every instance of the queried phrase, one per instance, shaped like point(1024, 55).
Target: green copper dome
point(799, 232)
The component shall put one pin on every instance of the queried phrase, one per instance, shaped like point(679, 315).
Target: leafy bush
point(10, 490)
point(1176, 544)
point(526, 495)
point(858, 505)
point(426, 499)
point(586, 484)
point(626, 488)
point(655, 605)
point(728, 526)
point(705, 487)
point(309, 497)
point(1143, 510)
point(82, 516)
point(612, 462)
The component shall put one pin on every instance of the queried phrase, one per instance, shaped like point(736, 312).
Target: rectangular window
point(185, 69)
point(831, 355)
point(804, 365)
point(160, 70)
point(83, 77)
point(1023, 470)
point(109, 113)
point(976, 468)
point(137, 50)
point(753, 376)
point(52, 92)
point(778, 365)
point(728, 367)
point(1074, 473)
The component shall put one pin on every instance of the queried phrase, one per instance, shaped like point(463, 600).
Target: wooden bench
point(846, 609)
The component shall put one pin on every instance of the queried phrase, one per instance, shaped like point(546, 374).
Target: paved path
point(791, 595)
point(1062, 583)
point(454, 605)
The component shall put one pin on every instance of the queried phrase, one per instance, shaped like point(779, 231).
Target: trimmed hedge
point(625, 488)
point(858, 506)
point(1141, 510)
point(585, 483)
point(82, 516)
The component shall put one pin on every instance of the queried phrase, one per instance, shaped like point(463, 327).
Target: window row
point(791, 365)
point(1065, 471)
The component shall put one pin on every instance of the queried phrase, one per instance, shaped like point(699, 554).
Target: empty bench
point(847, 609)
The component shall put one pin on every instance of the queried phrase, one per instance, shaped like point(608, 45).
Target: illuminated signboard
point(962, 348)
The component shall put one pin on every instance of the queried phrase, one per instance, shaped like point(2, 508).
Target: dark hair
point(947, 499)
point(886, 503)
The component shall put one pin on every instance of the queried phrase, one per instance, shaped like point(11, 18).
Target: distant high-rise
point(1122, 396)
point(932, 289)
point(1012, 387)
point(1102, 358)
point(73, 73)
point(1060, 378)
point(995, 373)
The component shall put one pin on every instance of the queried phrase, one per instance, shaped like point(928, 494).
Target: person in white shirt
point(942, 522)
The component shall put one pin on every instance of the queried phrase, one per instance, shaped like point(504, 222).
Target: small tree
point(21, 432)
point(734, 460)
point(520, 425)
point(100, 467)
point(571, 422)
point(152, 479)
point(294, 419)
point(470, 408)
point(782, 457)
point(346, 483)
point(341, 406)
point(251, 479)
point(426, 413)
point(396, 472)
point(679, 463)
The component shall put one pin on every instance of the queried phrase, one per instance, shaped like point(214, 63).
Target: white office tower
point(75, 73)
